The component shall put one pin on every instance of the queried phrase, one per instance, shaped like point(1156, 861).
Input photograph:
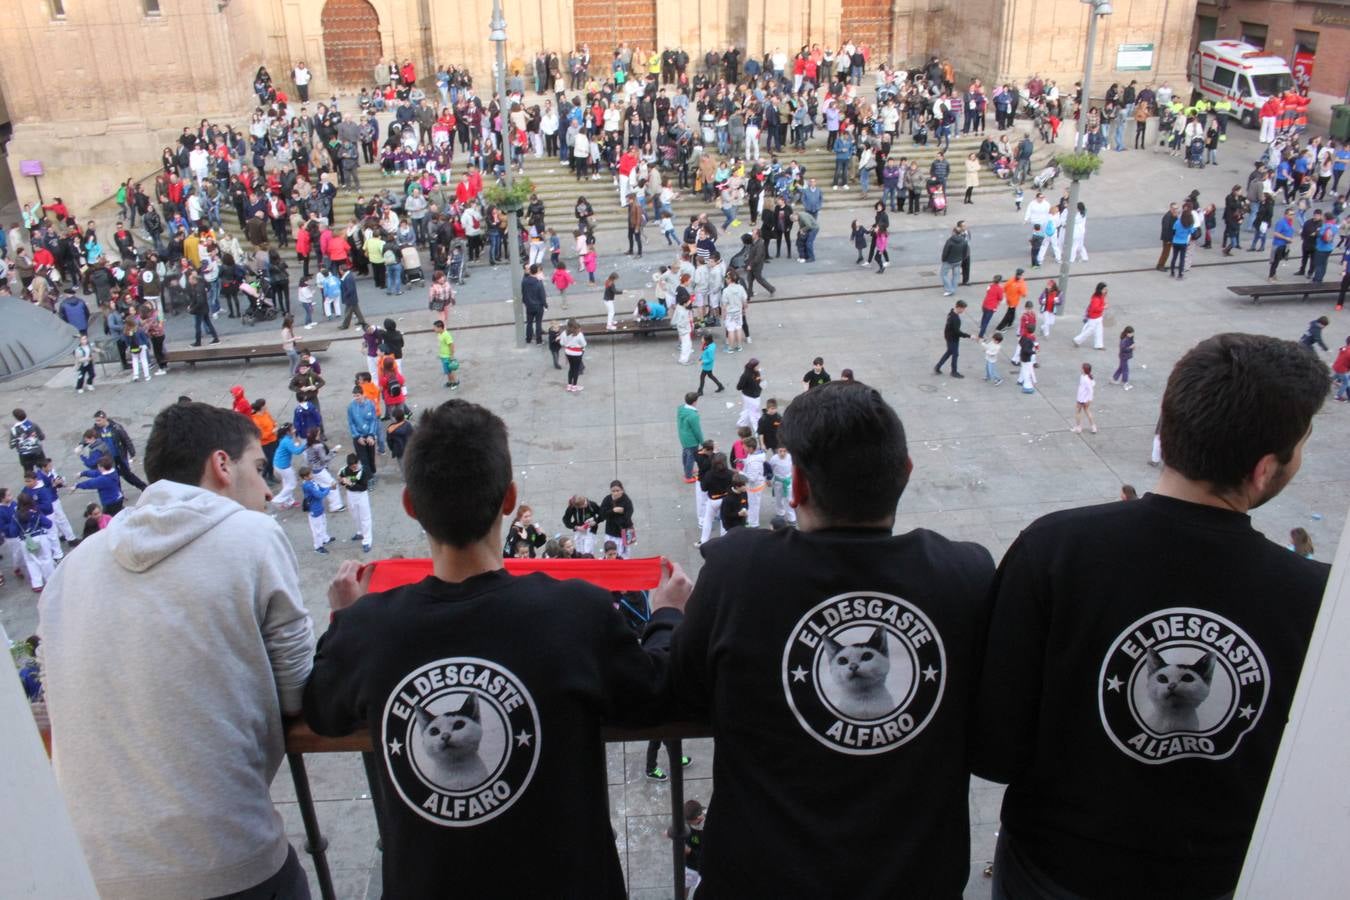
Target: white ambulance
point(1240, 73)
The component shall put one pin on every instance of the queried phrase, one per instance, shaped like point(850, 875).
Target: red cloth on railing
point(610, 574)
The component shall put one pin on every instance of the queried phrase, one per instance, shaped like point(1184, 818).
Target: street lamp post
point(1099, 8)
point(497, 34)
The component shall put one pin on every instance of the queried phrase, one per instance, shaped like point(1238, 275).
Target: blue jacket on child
point(314, 493)
point(108, 485)
point(306, 417)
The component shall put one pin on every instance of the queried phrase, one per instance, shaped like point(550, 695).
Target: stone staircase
point(559, 189)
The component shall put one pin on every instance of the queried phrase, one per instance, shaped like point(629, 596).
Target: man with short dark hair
point(484, 691)
point(118, 443)
point(1169, 219)
point(166, 702)
point(351, 301)
point(535, 301)
point(952, 334)
point(834, 661)
point(1142, 656)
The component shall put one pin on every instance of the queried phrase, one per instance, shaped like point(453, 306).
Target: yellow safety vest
point(1223, 106)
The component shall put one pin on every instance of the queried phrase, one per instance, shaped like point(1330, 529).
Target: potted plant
point(1079, 165)
point(512, 199)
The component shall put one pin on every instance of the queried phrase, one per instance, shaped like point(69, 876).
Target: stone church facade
point(96, 88)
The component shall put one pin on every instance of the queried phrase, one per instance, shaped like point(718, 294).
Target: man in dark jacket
point(1173, 686)
point(536, 301)
point(757, 252)
point(526, 669)
point(1233, 209)
point(74, 311)
point(350, 301)
point(200, 307)
point(952, 334)
point(256, 229)
point(117, 442)
point(1165, 235)
point(953, 252)
point(1309, 234)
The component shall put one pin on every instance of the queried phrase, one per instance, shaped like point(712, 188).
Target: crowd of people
point(893, 666)
point(830, 468)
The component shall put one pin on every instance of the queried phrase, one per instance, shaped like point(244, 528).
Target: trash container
point(1340, 122)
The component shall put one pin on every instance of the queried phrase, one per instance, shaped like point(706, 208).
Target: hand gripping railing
point(301, 740)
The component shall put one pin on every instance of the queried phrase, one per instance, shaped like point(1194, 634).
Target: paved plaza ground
point(987, 460)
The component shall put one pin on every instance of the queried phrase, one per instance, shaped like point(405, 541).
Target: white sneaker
point(90, 389)
point(79, 390)
point(1129, 387)
point(157, 372)
point(310, 325)
point(1076, 429)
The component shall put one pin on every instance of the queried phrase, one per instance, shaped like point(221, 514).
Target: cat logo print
point(864, 672)
point(460, 740)
point(1182, 683)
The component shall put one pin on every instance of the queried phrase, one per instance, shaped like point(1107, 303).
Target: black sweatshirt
point(1116, 788)
point(716, 483)
point(826, 786)
point(615, 523)
point(732, 505)
point(485, 701)
point(749, 384)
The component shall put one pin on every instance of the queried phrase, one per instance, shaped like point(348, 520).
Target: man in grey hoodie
point(166, 702)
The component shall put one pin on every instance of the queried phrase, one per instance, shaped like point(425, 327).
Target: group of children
point(729, 490)
point(606, 527)
point(34, 526)
point(298, 453)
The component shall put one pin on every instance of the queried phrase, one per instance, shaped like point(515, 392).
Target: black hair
point(850, 445)
point(185, 435)
point(1232, 399)
point(459, 449)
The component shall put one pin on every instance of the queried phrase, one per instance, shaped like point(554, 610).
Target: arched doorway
point(351, 42)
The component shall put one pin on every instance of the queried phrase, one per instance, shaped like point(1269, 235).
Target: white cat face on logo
point(864, 672)
point(460, 740)
point(1181, 683)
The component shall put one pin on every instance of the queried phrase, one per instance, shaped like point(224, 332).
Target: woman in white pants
point(684, 328)
point(288, 456)
point(1079, 251)
point(1093, 319)
point(751, 386)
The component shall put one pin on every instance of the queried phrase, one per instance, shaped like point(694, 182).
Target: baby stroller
point(1195, 153)
point(937, 197)
point(1046, 178)
point(454, 269)
point(412, 265)
point(260, 308)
